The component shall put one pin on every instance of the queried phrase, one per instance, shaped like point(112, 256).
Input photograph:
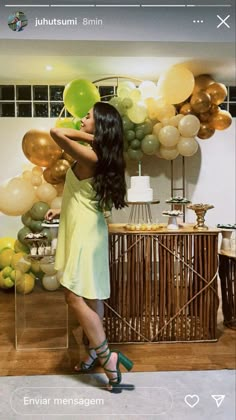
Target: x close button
point(223, 21)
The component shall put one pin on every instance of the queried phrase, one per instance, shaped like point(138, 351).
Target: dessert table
point(163, 285)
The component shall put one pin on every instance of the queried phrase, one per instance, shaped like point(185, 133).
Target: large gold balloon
point(206, 131)
point(217, 92)
point(202, 82)
point(39, 147)
point(221, 120)
point(200, 102)
point(59, 169)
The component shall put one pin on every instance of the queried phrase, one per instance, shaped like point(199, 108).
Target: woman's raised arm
point(67, 139)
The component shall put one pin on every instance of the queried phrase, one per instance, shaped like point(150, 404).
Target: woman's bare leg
point(92, 326)
point(97, 306)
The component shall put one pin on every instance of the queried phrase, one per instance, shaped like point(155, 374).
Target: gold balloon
point(206, 131)
point(202, 82)
point(39, 147)
point(205, 116)
point(221, 120)
point(67, 157)
point(59, 169)
point(47, 174)
point(214, 109)
point(217, 92)
point(186, 109)
point(200, 102)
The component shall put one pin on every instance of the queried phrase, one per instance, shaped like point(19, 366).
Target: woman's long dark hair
point(109, 178)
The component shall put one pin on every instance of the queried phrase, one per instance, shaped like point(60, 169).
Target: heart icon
point(191, 400)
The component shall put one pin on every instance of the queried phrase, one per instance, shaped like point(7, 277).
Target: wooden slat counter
point(227, 272)
point(163, 285)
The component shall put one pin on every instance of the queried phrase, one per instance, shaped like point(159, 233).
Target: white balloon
point(50, 282)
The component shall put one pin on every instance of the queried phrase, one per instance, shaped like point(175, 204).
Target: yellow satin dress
point(82, 245)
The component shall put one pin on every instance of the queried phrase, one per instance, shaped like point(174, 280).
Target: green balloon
point(139, 133)
point(26, 219)
point(36, 225)
point(127, 123)
point(130, 135)
point(80, 96)
point(135, 144)
point(135, 154)
point(127, 103)
point(22, 234)
point(47, 233)
point(149, 144)
point(65, 123)
point(39, 209)
point(146, 126)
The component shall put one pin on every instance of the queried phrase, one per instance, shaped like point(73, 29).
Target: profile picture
point(17, 21)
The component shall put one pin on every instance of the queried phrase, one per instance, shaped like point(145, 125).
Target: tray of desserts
point(178, 200)
point(226, 226)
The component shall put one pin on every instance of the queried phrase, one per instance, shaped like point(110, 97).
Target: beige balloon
point(46, 192)
point(27, 175)
point(175, 120)
point(187, 146)
point(17, 197)
point(176, 84)
point(36, 180)
point(164, 111)
point(156, 128)
point(168, 153)
point(189, 126)
point(169, 136)
point(37, 170)
point(56, 202)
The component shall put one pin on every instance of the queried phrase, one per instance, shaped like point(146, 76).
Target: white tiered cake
point(140, 189)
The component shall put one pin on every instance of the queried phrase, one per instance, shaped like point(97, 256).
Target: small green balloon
point(22, 234)
point(135, 154)
point(149, 144)
point(127, 103)
point(139, 133)
point(135, 144)
point(127, 124)
point(130, 135)
point(47, 233)
point(147, 126)
point(26, 219)
point(65, 123)
point(36, 225)
point(39, 209)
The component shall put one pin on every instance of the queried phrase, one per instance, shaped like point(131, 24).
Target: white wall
point(210, 174)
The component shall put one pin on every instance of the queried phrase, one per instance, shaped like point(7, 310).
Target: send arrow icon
point(218, 399)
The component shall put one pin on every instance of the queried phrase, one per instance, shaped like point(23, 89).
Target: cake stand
point(179, 203)
point(200, 210)
point(172, 218)
point(140, 212)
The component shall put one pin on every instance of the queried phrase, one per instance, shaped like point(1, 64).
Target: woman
point(95, 183)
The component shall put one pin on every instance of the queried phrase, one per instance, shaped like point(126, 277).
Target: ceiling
point(25, 61)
